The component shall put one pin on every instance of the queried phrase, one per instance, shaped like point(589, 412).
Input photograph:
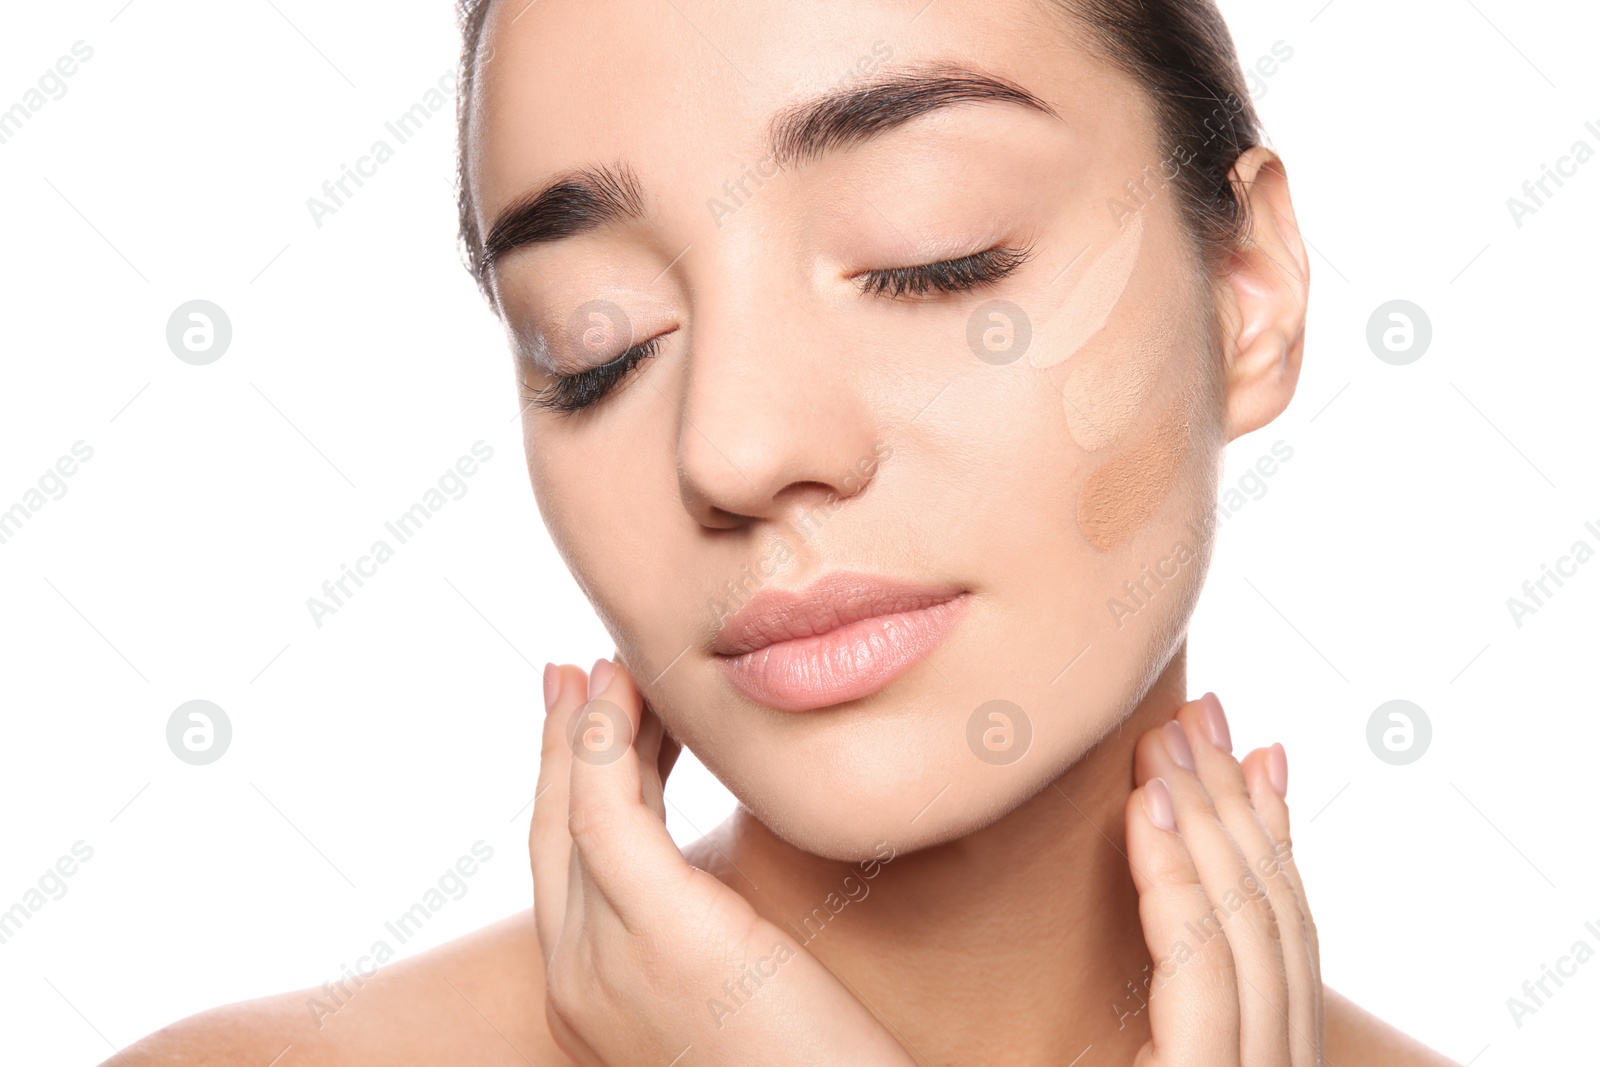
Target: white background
point(370, 754)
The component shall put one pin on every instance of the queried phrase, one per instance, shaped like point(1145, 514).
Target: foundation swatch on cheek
point(1103, 396)
point(1090, 303)
point(1122, 495)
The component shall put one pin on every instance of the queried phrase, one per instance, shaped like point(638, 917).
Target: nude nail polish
point(1216, 722)
point(1158, 804)
point(552, 686)
point(1177, 745)
point(1278, 769)
point(600, 677)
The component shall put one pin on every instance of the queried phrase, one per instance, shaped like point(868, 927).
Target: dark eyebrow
point(847, 117)
point(583, 200)
point(571, 204)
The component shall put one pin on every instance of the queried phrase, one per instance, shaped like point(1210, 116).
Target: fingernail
point(1177, 745)
point(1158, 804)
point(599, 677)
point(1278, 769)
point(552, 686)
point(1216, 722)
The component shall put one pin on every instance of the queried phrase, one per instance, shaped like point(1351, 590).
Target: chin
point(842, 785)
point(959, 741)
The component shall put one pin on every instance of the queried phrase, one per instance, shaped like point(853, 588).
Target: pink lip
point(841, 638)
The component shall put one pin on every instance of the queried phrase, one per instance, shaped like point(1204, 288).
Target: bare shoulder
point(478, 999)
point(1355, 1035)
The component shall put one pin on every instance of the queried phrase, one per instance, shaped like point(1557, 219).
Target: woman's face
point(808, 410)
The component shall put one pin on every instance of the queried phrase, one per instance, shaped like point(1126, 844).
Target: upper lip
point(829, 602)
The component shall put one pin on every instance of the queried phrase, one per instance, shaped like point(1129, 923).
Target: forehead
point(685, 90)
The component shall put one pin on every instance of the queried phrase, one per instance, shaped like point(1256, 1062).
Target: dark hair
point(1180, 51)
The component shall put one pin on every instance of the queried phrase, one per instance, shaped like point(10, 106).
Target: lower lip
point(845, 664)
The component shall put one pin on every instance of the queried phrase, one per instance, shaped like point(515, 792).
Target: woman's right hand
point(649, 960)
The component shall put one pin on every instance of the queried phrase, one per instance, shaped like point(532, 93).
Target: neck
point(1027, 928)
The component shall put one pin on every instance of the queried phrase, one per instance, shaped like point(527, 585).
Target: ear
point(1262, 298)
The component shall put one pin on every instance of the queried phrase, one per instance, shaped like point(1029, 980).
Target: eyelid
point(567, 394)
point(953, 274)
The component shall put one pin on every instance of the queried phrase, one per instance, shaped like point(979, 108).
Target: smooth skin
point(627, 936)
point(1015, 922)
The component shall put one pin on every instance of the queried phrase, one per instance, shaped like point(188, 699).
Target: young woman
point(878, 358)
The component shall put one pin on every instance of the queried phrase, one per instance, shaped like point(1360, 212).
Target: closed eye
point(945, 276)
point(573, 392)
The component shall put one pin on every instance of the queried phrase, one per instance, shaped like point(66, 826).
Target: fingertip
point(1278, 770)
point(552, 686)
point(1254, 766)
point(600, 676)
point(571, 682)
point(1158, 806)
point(1216, 722)
point(1177, 745)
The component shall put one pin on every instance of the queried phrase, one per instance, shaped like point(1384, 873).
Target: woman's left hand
point(1236, 977)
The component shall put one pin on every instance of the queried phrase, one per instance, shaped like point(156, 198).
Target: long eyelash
point(947, 276)
point(574, 392)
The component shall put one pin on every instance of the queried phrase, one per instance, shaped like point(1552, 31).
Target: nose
point(772, 421)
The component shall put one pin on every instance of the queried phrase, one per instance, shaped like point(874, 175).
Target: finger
point(670, 750)
point(549, 844)
point(1266, 770)
point(624, 848)
point(1243, 913)
point(1194, 1017)
point(648, 751)
point(1206, 727)
point(646, 747)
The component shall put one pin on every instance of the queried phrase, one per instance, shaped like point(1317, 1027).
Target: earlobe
point(1263, 298)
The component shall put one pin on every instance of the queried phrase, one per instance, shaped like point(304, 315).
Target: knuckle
point(554, 738)
point(1267, 917)
point(1258, 903)
point(586, 821)
point(1224, 777)
point(1215, 958)
point(567, 987)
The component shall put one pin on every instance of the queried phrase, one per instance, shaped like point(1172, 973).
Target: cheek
point(573, 514)
point(1094, 295)
point(1129, 380)
point(1121, 495)
point(1104, 392)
